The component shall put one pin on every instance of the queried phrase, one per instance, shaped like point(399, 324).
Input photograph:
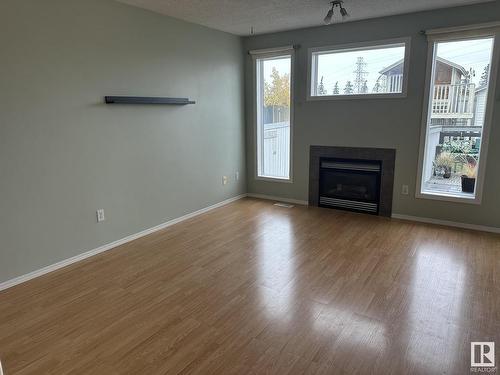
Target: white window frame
point(270, 53)
point(360, 46)
point(457, 34)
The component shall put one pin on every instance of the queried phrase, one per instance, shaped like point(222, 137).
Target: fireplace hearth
point(354, 179)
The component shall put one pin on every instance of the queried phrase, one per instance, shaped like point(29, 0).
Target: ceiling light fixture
point(343, 12)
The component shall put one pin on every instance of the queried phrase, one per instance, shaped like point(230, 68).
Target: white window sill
point(362, 96)
point(449, 197)
point(274, 179)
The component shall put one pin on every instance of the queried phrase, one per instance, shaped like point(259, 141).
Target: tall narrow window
point(273, 113)
point(456, 125)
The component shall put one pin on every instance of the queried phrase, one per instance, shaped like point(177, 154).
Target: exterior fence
point(273, 114)
point(276, 150)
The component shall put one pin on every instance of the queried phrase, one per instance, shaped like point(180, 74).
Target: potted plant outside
point(445, 161)
point(469, 174)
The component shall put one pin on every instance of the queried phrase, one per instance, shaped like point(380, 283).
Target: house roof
point(386, 69)
point(481, 88)
point(440, 59)
point(451, 63)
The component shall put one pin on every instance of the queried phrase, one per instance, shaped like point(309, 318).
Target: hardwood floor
point(251, 288)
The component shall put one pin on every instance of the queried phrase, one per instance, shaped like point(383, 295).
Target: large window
point(361, 70)
point(455, 124)
point(273, 114)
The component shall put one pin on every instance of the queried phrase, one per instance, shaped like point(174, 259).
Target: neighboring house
point(480, 105)
point(457, 109)
point(447, 73)
point(453, 96)
point(391, 77)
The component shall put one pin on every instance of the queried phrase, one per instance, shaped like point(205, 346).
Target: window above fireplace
point(361, 70)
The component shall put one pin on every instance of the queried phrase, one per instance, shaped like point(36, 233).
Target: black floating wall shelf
point(146, 100)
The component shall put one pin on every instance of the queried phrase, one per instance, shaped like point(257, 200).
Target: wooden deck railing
point(453, 101)
point(449, 101)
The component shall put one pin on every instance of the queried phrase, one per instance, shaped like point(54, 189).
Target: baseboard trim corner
point(66, 262)
point(482, 228)
point(278, 199)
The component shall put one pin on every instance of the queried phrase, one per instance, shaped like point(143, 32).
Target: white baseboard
point(482, 228)
point(278, 199)
point(42, 271)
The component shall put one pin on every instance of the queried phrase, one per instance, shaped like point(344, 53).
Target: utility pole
point(360, 75)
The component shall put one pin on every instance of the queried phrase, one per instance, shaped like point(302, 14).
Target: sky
point(281, 64)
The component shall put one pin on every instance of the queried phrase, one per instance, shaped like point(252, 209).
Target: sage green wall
point(63, 153)
point(392, 123)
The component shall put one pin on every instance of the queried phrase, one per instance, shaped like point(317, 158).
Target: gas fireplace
point(355, 179)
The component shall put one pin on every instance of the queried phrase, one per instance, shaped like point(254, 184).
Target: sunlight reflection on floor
point(276, 265)
point(437, 285)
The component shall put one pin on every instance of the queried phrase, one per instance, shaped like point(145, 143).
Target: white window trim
point(359, 46)
point(265, 54)
point(463, 29)
point(465, 33)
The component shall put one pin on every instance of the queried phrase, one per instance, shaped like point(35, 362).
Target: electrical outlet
point(404, 190)
point(237, 176)
point(100, 215)
point(225, 180)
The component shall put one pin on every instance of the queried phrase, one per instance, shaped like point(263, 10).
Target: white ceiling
point(239, 16)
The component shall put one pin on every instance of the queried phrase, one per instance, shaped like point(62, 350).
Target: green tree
point(485, 76)
point(321, 87)
point(336, 90)
point(348, 89)
point(378, 86)
point(277, 92)
point(364, 87)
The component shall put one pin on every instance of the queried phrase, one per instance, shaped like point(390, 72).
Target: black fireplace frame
point(348, 167)
point(386, 157)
